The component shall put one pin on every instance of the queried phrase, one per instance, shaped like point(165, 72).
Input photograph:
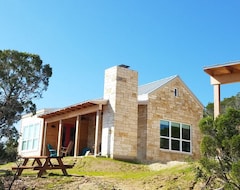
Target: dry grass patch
point(104, 173)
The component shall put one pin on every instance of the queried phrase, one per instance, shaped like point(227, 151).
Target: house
point(153, 122)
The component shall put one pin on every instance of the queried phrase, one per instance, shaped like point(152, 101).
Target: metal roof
point(150, 87)
point(143, 92)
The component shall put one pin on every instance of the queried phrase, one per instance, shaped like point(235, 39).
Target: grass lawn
point(106, 173)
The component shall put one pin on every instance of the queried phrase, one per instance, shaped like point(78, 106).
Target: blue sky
point(157, 38)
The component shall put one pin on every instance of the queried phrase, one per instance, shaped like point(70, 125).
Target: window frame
point(180, 139)
point(30, 137)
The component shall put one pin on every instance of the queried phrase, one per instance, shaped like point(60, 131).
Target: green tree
point(23, 78)
point(220, 148)
point(232, 102)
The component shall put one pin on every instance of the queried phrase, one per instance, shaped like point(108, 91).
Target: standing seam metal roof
point(150, 87)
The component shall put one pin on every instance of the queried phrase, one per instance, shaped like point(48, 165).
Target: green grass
point(179, 176)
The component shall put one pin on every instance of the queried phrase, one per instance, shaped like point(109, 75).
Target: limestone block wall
point(142, 132)
point(119, 138)
point(183, 108)
point(108, 111)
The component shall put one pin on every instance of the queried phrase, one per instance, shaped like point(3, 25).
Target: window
point(175, 136)
point(30, 137)
point(176, 92)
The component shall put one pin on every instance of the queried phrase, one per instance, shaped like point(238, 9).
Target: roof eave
point(64, 110)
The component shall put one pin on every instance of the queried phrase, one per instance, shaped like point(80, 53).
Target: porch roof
point(223, 69)
point(224, 73)
point(75, 107)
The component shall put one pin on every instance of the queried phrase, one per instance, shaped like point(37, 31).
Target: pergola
point(222, 74)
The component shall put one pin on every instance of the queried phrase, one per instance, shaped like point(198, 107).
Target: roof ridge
point(150, 87)
point(170, 77)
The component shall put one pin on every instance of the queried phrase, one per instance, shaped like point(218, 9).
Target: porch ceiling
point(225, 73)
point(75, 108)
point(223, 69)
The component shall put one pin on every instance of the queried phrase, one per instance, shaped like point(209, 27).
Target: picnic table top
point(40, 157)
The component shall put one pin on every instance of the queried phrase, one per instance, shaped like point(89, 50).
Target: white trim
point(143, 98)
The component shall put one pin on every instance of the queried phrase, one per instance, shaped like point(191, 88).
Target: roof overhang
point(224, 73)
point(77, 109)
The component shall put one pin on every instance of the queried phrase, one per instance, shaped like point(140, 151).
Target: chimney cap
point(124, 66)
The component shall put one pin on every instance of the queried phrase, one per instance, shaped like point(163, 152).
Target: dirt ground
point(86, 183)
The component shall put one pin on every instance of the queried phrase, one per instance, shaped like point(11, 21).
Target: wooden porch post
point(44, 138)
point(77, 136)
point(98, 122)
point(216, 88)
point(60, 131)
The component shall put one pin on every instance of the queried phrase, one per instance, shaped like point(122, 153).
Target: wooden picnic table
point(43, 163)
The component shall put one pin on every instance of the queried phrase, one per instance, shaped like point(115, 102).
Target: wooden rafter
point(225, 69)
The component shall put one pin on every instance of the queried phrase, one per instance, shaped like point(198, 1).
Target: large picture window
point(175, 136)
point(30, 137)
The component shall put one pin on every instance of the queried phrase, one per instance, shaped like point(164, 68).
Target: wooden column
point(216, 88)
point(44, 139)
point(98, 122)
point(60, 131)
point(77, 136)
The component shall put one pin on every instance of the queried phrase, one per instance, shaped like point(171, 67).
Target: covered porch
point(80, 123)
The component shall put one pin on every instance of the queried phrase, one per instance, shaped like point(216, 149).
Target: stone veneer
point(120, 116)
point(132, 131)
point(142, 132)
point(164, 105)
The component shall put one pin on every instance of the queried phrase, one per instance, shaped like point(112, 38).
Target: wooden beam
point(225, 79)
point(76, 113)
point(229, 69)
point(223, 69)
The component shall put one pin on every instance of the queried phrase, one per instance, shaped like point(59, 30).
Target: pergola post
point(98, 122)
point(44, 138)
point(60, 131)
point(216, 90)
point(77, 136)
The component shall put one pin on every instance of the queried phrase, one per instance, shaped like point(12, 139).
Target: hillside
point(103, 173)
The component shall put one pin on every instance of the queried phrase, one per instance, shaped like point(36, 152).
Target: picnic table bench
point(43, 163)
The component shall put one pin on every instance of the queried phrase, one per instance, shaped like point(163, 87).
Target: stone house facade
point(157, 121)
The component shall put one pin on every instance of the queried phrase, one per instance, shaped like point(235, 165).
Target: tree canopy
point(220, 148)
point(23, 78)
point(232, 102)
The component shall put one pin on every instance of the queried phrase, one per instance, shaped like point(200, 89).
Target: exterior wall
point(119, 139)
point(107, 131)
point(142, 132)
point(28, 120)
point(52, 136)
point(184, 108)
point(83, 136)
point(91, 134)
